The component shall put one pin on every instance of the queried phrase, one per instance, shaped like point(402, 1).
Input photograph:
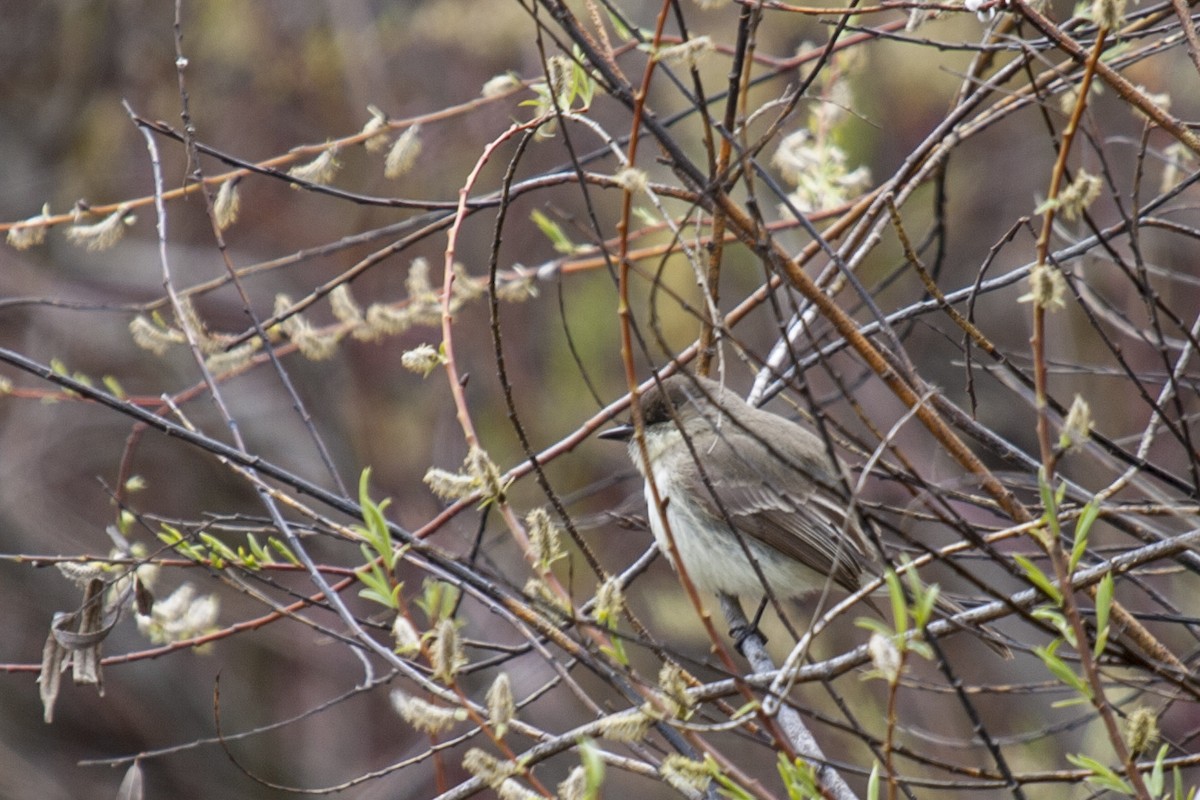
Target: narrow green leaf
point(247, 559)
point(260, 552)
point(583, 84)
point(1102, 775)
point(1071, 702)
point(619, 28)
point(1055, 617)
point(616, 651)
point(283, 550)
point(219, 548)
point(374, 596)
point(438, 600)
point(923, 612)
point(1059, 668)
point(1051, 500)
point(176, 540)
point(170, 536)
point(1039, 579)
point(1078, 548)
point(593, 768)
point(1083, 529)
point(729, 788)
point(799, 778)
point(898, 601)
point(552, 231)
point(1156, 780)
point(873, 783)
point(875, 626)
point(1046, 494)
point(1104, 599)
point(114, 387)
point(376, 528)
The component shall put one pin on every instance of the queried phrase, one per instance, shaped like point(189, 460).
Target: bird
point(735, 478)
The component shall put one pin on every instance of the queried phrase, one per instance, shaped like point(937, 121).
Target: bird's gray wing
point(802, 521)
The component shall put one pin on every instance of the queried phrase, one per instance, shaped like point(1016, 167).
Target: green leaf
point(1104, 599)
point(593, 768)
point(114, 387)
point(370, 576)
point(261, 553)
point(1061, 670)
point(1078, 548)
point(619, 28)
point(283, 550)
point(924, 595)
point(1071, 702)
point(169, 535)
point(1051, 500)
point(379, 587)
point(1156, 780)
point(1102, 775)
point(374, 596)
point(1083, 529)
point(376, 530)
point(799, 778)
point(552, 231)
point(219, 548)
point(616, 651)
point(898, 601)
point(728, 787)
point(585, 84)
point(1180, 792)
point(438, 601)
point(1039, 579)
point(875, 626)
point(173, 538)
point(1055, 617)
point(919, 647)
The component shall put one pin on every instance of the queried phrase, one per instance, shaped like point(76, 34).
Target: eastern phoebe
point(769, 478)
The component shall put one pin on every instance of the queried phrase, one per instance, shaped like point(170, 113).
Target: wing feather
point(791, 504)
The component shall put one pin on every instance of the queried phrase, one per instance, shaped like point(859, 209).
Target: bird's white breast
point(711, 554)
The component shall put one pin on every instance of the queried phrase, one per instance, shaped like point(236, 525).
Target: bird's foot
point(740, 633)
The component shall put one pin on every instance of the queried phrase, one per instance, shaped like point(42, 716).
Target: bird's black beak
point(621, 433)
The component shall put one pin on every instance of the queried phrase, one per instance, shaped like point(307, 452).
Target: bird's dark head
point(674, 397)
